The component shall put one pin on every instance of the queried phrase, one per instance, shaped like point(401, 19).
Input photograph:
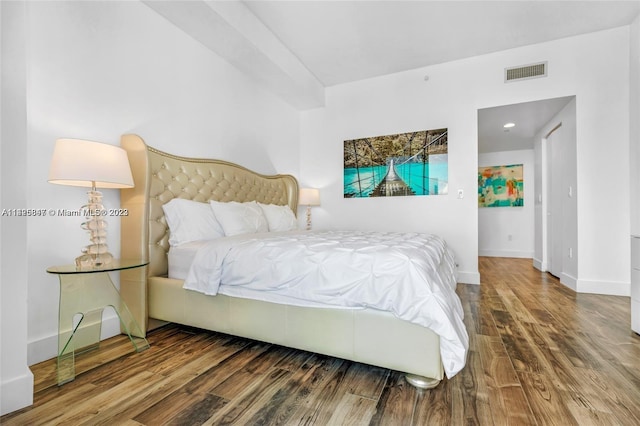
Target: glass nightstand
point(84, 294)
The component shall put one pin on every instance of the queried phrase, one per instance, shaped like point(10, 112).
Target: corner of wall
point(634, 122)
point(16, 380)
point(539, 265)
point(465, 277)
point(13, 392)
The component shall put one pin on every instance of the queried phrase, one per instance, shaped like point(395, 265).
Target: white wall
point(97, 70)
point(16, 380)
point(634, 140)
point(403, 102)
point(634, 122)
point(602, 130)
point(508, 231)
point(397, 104)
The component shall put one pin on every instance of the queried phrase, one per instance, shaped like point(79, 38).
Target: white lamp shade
point(77, 162)
point(309, 197)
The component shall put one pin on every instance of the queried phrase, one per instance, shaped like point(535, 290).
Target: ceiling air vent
point(525, 72)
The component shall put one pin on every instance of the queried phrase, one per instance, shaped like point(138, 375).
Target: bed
point(362, 334)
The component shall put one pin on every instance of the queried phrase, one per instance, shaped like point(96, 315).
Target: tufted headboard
point(159, 177)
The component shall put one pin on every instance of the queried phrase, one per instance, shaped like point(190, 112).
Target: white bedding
point(408, 274)
point(181, 257)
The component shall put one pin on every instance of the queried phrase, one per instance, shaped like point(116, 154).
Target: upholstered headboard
point(159, 177)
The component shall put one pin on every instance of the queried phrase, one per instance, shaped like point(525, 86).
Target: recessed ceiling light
point(509, 125)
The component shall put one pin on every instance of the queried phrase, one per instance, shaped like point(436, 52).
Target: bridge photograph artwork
point(414, 163)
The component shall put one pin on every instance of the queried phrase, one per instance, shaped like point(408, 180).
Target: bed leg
point(421, 382)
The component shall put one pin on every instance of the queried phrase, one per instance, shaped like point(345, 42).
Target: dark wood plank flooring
point(540, 354)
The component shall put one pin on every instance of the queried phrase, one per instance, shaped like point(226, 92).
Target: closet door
point(554, 205)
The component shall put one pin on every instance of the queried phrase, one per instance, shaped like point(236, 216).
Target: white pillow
point(279, 218)
point(239, 218)
point(190, 221)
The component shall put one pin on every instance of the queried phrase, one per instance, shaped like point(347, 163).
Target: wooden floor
point(539, 354)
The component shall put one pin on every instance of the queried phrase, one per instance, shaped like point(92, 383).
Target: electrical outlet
point(510, 237)
point(460, 194)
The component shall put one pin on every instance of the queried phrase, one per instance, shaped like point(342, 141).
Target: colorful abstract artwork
point(501, 186)
point(414, 163)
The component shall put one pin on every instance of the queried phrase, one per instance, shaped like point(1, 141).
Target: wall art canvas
point(501, 186)
point(405, 164)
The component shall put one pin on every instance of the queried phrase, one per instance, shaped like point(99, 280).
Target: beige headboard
point(159, 177)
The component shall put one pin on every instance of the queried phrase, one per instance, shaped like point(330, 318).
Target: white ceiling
point(343, 41)
point(528, 117)
point(297, 48)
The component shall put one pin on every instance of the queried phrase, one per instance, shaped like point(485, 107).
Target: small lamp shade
point(77, 162)
point(309, 197)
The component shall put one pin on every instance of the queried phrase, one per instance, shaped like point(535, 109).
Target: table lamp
point(309, 197)
point(78, 162)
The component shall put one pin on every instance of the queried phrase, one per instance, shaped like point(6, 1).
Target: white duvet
point(408, 274)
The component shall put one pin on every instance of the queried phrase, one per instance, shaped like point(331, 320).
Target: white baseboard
point(42, 349)
point(539, 265)
point(601, 287)
point(569, 281)
point(46, 347)
point(16, 393)
point(506, 253)
point(468, 277)
point(588, 286)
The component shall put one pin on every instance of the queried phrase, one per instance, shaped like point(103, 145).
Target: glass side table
point(84, 294)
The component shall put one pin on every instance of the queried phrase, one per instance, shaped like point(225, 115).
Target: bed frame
point(368, 336)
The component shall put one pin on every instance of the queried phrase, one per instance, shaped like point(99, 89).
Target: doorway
point(536, 134)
